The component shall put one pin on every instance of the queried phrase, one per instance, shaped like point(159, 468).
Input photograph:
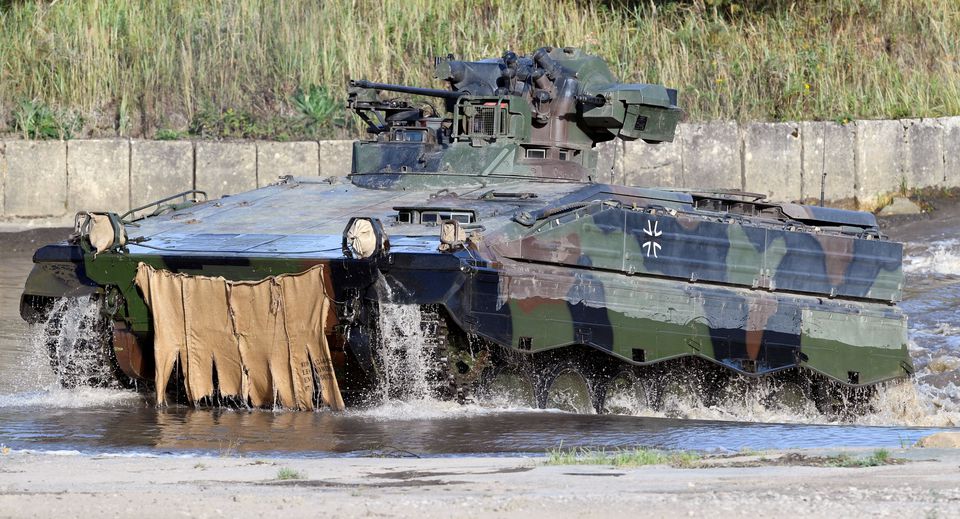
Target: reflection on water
point(181, 430)
point(35, 414)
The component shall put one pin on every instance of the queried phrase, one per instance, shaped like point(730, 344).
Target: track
point(584, 380)
point(423, 354)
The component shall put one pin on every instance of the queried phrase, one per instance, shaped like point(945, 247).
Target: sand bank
point(46, 485)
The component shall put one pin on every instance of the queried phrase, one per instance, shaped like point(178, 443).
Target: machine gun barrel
point(430, 92)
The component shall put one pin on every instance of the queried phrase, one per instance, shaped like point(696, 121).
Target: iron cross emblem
point(653, 231)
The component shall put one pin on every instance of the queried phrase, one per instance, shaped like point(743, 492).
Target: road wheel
point(841, 402)
point(626, 393)
point(79, 345)
point(789, 396)
point(511, 386)
point(567, 389)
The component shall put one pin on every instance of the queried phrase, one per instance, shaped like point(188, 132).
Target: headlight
point(99, 232)
point(364, 238)
point(452, 235)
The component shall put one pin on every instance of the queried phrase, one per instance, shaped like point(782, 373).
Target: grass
point(636, 457)
point(34, 120)
point(229, 448)
point(259, 68)
point(639, 457)
point(877, 458)
point(166, 134)
point(286, 473)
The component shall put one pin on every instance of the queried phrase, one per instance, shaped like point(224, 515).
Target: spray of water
point(76, 341)
point(896, 403)
point(407, 385)
point(940, 257)
point(403, 353)
point(63, 365)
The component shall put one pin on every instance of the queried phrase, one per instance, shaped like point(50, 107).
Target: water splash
point(60, 360)
point(939, 257)
point(55, 397)
point(424, 409)
point(403, 352)
point(78, 344)
point(906, 403)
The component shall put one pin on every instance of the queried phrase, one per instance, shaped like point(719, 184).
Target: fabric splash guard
point(264, 339)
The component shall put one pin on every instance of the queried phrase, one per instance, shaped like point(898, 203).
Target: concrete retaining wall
point(159, 169)
point(773, 160)
point(711, 154)
point(827, 160)
point(951, 150)
point(35, 179)
point(278, 159)
point(225, 167)
point(860, 161)
point(98, 175)
point(48, 181)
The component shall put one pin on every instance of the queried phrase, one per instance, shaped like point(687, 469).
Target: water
point(132, 428)
point(404, 351)
point(36, 414)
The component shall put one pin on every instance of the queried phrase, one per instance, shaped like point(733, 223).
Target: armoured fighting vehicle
point(483, 208)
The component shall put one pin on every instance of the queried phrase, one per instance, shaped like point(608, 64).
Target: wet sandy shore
point(47, 485)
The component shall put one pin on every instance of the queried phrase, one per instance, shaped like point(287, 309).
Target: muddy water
point(36, 414)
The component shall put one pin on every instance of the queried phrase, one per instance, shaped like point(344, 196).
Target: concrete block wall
point(98, 175)
point(827, 160)
point(922, 153)
point(48, 181)
point(335, 158)
point(278, 159)
point(222, 168)
point(711, 154)
point(159, 169)
point(792, 161)
point(660, 165)
point(35, 183)
point(773, 160)
point(878, 154)
point(951, 150)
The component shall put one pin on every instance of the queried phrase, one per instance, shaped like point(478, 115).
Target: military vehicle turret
point(480, 208)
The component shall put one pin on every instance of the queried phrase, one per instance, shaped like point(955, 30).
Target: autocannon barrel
point(591, 100)
point(430, 92)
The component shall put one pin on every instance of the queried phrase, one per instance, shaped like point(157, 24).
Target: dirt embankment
point(941, 221)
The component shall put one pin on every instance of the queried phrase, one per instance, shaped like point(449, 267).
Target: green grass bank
point(277, 69)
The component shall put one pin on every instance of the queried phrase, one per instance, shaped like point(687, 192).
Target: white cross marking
point(654, 232)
